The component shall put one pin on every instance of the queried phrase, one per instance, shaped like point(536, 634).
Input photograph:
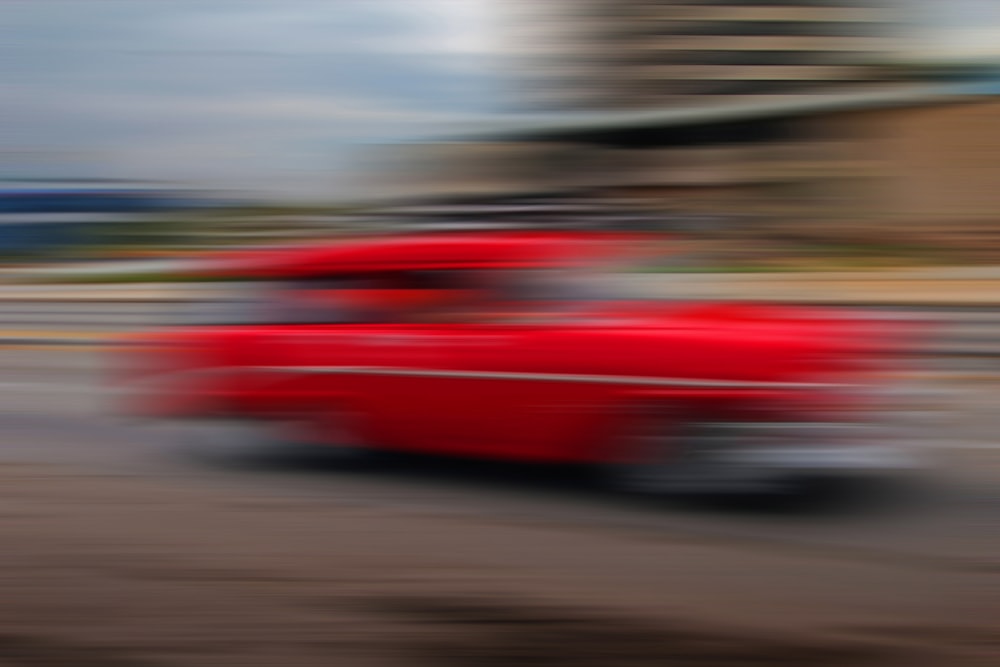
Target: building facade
point(780, 114)
point(920, 166)
point(638, 53)
point(894, 164)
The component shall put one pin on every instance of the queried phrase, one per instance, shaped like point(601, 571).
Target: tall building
point(636, 53)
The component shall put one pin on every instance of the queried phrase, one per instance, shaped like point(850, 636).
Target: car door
point(495, 389)
point(513, 391)
point(375, 373)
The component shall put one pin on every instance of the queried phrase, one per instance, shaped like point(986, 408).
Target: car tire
point(834, 493)
point(648, 460)
point(667, 461)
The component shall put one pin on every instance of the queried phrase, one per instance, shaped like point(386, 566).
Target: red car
point(514, 345)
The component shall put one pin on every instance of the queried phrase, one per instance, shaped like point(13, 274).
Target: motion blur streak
point(479, 333)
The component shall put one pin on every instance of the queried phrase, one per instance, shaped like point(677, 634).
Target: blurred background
point(805, 152)
point(803, 134)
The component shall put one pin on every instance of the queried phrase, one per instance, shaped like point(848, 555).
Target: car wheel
point(811, 493)
point(663, 457)
point(656, 456)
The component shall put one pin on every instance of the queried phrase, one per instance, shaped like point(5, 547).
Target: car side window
point(454, 296)
point(334, 300)
point(389, 297)
point(470, 296)
point(425, 296)
point(238, 303)
point(303, 301)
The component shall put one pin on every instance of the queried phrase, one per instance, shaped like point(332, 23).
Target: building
point(649, 53)
point(786, 114)
point(477, 168)
point(922, 158)
point(884, 163)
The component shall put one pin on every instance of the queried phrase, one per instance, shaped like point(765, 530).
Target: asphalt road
point(57, 407)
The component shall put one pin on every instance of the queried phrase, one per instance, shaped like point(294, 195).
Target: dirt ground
point(120, 571)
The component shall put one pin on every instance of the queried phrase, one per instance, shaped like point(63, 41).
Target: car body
point(664, 395)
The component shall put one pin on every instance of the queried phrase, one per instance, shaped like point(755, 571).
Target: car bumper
point(860, 458)
point(755, 457)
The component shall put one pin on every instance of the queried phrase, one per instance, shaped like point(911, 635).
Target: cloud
point(454, 29)
point(281, 91)
point(302, 145)
point(431, 27)
point(230, 91)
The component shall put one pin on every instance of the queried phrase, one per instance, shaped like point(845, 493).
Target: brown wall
point(932, 166)
point(942, 163)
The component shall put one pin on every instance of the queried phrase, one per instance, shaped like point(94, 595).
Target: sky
point(262, 95)
point(954, 27)
point(276, 97)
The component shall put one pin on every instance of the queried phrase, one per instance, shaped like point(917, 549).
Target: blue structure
point(39, 216)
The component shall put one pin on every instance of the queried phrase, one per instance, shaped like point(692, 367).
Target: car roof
point(495, 250)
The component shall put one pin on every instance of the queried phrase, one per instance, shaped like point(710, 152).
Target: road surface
point(122, 549)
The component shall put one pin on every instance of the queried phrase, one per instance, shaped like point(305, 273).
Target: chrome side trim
point(543, 377)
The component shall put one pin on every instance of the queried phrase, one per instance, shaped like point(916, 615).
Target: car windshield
point(570, 285)
point(233, 303)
